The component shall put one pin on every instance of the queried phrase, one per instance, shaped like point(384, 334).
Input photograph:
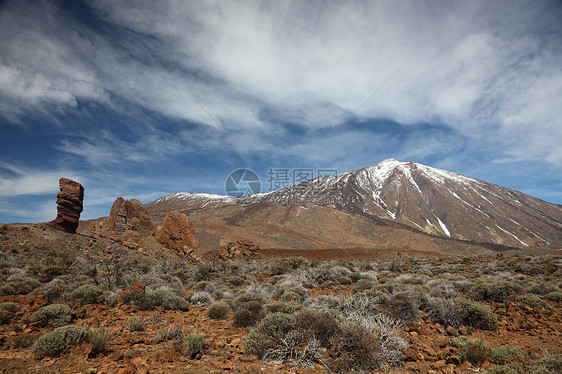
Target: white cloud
point(20, 180)
point(475, 68)
point(489, 70)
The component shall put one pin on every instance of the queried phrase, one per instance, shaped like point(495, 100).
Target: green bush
point(218, 310)
point(194, 343)
point(138, 298)
point(54, 290)
point(554, 296)
point(249, 296)
point(48, 273)
point(542, 288)
point(356, 348)
point(283, 265)
point(499, 291)
point(506, 354)
point(269, 332)
point(291, 294)
point(53, 315)
point(403, 306)
point(168, 300)
point(7, 289)
point(321, 324)
point(59, 340)
point(549, 364)
point(364, 285)
point(204, 286)
point(531, 300)
point(98, 338)
point(476, 315)
point(9, 307)
point(474, 351)
point(7, 311)
point(23, 284)
point(135, 324)
point(291, 297)
point(87, 294)
point(165, 299)
point(248, 314)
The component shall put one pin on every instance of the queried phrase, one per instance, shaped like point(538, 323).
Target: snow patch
point(519, 240)
point(443, 227)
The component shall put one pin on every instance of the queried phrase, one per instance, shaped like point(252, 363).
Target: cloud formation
point(145, 83)
point(477, 67)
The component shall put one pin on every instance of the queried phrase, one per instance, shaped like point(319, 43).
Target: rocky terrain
point(69, 205)
point(120, 310)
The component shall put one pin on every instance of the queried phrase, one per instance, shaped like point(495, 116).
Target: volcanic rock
point(177, 234)
point(69, 205)
point(127, 215)
point(239, 250)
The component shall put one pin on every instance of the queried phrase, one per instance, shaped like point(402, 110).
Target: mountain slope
point(437, 202)
point(404, 194)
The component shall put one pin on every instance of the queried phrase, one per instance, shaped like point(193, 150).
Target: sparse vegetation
point(7, 311)
point(507, 354)
point(87, 294)
point(474, 351)
point(218, 310)
point(53, 315)
point(476, 315)
point(343, 315)
point(98, 338)
point(59, 340)
point(549, 364)
point(165, 299)
point(135, 324)
point(498, 291)
point(195, 343)
point(357, 349)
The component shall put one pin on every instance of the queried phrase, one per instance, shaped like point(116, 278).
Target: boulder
point(239, 250)
point(127, 215)
point(69, 205)
point(177, 234)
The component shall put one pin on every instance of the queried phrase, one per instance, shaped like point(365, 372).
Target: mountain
point(399, 195)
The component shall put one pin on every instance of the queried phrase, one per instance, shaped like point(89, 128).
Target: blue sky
point(142, 99)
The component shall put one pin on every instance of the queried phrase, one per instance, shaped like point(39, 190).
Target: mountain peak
point(427, 199)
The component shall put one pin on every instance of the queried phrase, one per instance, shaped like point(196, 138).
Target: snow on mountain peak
point(385, 169)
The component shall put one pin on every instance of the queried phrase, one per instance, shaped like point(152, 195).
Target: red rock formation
point(239, 250)
point(177, 234)
point(127, 215)
point(69, 201)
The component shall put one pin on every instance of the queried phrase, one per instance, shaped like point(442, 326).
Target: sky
point(142, 99)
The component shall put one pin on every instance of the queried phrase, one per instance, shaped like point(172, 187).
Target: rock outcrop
point(127, 215)
point(239, 250)
point(177, 234)
point(69, 205)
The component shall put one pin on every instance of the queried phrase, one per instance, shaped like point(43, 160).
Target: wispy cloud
point(16, 180)
point(285, 80)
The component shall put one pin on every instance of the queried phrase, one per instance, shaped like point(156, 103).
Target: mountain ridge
point(434, 201)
